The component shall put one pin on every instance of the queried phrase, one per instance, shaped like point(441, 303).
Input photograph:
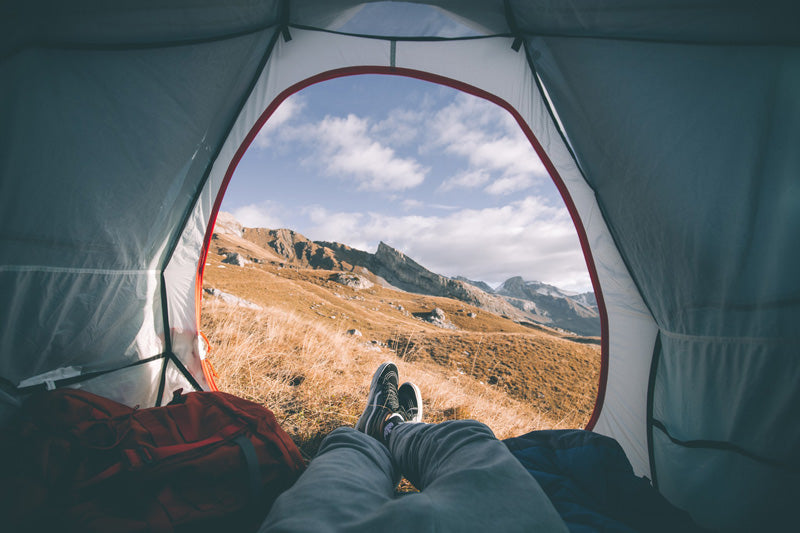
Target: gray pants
point(469, 481)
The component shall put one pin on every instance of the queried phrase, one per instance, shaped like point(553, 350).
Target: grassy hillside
point(295, 354)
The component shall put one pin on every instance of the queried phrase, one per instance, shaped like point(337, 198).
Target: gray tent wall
point(689, 135)
point(111, 116)
point(673, 131)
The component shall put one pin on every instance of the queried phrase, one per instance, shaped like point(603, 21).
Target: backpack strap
point(250, 457)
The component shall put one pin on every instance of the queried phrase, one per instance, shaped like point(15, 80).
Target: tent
point(672, 130)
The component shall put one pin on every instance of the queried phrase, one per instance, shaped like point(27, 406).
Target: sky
point(447, 178)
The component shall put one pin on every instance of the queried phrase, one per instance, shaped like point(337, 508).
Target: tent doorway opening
point(380, 217)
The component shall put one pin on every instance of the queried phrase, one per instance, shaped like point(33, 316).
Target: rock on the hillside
point(235, 259)
point(437, 318)
point(354, 281)
point(354, 332)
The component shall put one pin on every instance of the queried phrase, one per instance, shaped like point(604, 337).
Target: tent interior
point(672, 130)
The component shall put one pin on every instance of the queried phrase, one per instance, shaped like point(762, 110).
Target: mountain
point(587, 299)
point(295, 249)
point(574, 313)
point(482, 285)
point(516, 299)
point(404, 273)
point(391, 267)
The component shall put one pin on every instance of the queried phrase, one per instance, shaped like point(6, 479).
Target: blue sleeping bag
point(592, 485)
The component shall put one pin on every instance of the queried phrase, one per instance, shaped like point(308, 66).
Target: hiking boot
point(410, 400)
point(382, 403)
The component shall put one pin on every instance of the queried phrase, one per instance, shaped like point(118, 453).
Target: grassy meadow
point(295, 354)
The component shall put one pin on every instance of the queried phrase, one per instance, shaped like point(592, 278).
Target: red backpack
point(75, 461)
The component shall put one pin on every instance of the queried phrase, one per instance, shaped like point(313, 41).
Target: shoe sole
point(418, 395)
point(373, 387)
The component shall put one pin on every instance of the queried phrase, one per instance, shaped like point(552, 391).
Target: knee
point(349, 438)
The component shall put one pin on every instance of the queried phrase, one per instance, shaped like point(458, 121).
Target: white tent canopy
point(671, 129)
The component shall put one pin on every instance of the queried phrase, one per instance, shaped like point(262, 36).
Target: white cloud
point(468, 180)
point(351, 147)
point(264, 215)
point(443, 207)
point(349, 151)
point(509, 184)
point(524, 238)
point(410, 203)
point(400, 127)
point(491, 141)
point(332, 226)
point(288, 109)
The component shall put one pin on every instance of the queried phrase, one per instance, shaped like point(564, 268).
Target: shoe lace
point(392, 402)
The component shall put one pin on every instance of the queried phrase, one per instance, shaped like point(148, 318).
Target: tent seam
point(723, 446)
point(430, 38)
point(588, 257)
point(167, 338)
point(649, 420)
point(188, 214)
point(730, 340)
point(121, 47)
point(88, 376)
point(201, 184)
point(71, 270)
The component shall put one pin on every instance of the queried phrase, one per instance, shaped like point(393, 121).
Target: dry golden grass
point(316, 379)
point(295, 357)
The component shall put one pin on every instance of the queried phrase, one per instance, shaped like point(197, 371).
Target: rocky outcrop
point(437, 318)
point(587, 299)
point(559, 308)
point(354, 281)
point(295, 248)
point(482, 285)
point(227, 224)
point(404, 273)
point(234, 258)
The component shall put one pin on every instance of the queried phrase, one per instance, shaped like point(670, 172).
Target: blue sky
point(445, 177)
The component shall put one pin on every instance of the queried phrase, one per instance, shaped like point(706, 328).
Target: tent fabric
point(671, 130)
point(715, 185)
point(97, 271)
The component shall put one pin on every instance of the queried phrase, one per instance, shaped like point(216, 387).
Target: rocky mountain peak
point(516, 298)
point(563, 310)
point(510, 285)
point(227, 224)
point(482, 285)
point(386, 252)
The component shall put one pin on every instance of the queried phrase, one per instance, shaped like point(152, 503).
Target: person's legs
point(349, 486)
point(348, 482)
point(469, 479)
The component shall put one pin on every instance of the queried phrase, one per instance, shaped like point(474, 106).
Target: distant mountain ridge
point(574, 313)
point(482, 285)
point(390, 266)
point(516, 299)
